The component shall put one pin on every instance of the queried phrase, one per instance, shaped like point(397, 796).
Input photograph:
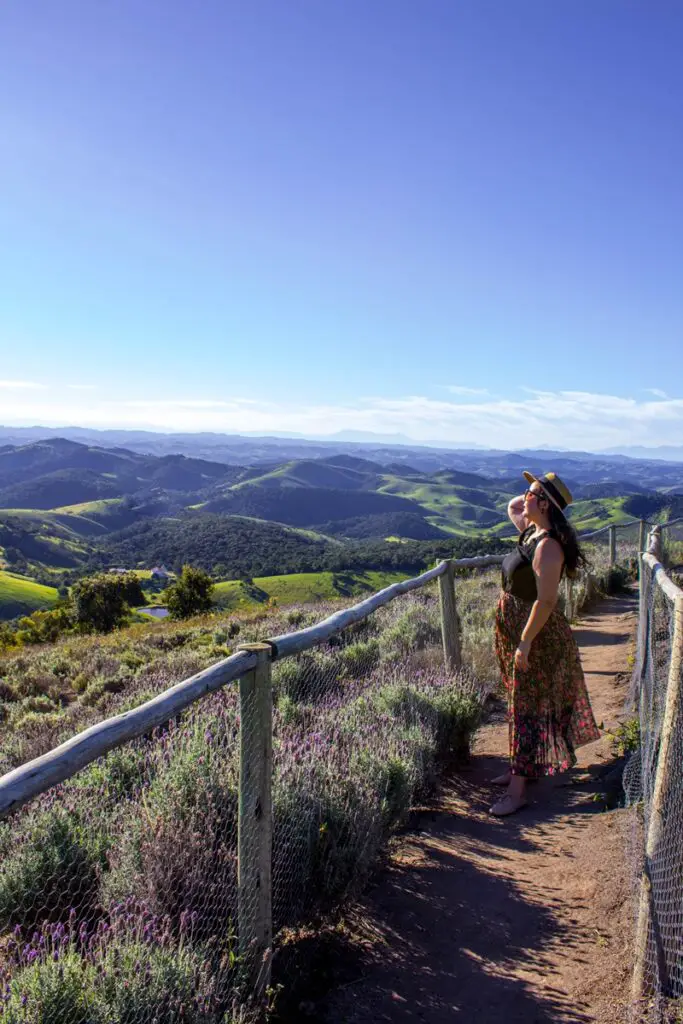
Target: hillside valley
point(69, 508)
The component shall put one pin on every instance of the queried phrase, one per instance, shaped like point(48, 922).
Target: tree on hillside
point(44, 626)
point(13, 555)
point(191, 594)
point(101, 603)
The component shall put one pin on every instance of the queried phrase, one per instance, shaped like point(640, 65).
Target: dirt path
point(524, 919)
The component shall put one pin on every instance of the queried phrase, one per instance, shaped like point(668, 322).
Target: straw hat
point(557, 492)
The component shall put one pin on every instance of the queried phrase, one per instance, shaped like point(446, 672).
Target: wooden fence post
point(255, 825)
point(654, 546)
point(668, 768)
point(450, 623)
point(612, 546)
point(642, 596)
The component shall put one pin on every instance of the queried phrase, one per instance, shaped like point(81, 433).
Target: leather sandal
point(507, 805)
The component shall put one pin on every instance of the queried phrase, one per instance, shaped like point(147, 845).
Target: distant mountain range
point(665, 452)
point(254, 449)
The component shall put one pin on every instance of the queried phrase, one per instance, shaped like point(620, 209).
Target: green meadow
point(301, 588)
point(20, 595)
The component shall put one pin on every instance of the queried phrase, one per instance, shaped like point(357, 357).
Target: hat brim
point(531, 479)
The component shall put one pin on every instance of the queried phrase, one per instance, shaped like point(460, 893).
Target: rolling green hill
point(302, 588)
point(44, 539)
point(231, 545)
point(298, 505)
point(55, 472)
point(405, 525)
point(21, 596)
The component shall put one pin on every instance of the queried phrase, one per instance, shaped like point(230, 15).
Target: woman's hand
point(522, 655)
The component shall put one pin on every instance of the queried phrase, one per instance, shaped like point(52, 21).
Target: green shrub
point(53, 992)
point(618, 579)
point(359, 659)
point(53, 868)
point(142, 982)
point(80, 682)
point(117, 775)
point(307, 677)
point(7, 691)
point(132, 660)
point(413, 631)
point(290, 711)
point(392, 779)
point(41, 704)
point(460, 715)
point(131, 982)
point(626, 737)
point(60, 667)
point(178, 853)
point(35, 723)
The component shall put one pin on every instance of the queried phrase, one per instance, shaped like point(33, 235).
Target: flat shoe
point(507, 805)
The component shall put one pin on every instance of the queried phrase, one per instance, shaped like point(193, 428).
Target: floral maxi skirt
point(549, 710)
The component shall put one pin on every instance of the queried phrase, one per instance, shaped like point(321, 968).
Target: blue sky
point(455, 220)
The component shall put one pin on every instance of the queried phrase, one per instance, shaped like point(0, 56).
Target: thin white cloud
point(17, 385)
point(657, 392)
point(82, 387)
point(570, 419)
point(176, 403)
point(459, 389)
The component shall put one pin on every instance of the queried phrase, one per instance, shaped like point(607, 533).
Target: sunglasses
point(537, 494)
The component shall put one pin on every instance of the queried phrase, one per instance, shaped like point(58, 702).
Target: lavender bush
point(124, 971)
point(361, 727)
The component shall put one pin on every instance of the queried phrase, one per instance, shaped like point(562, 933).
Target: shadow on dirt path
point(522, 919)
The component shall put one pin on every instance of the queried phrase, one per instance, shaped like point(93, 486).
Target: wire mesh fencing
point(360, 724)
point(118, 887)
point(653, 780)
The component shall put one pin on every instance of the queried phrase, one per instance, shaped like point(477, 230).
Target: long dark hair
point(574, 558)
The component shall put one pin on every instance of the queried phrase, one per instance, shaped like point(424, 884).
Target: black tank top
point(519, 577)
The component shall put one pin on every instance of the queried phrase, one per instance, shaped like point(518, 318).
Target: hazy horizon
point(340, 437)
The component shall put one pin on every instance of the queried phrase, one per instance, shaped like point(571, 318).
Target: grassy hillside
point(44, 539)
point(404, 525)
point(239, 544)
point(302, 588)
point(66, 522)
point(21, 596)
point(305, 506)
point(456, 507)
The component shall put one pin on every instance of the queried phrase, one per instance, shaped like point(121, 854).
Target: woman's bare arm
point(547, 565)
point(516, 513)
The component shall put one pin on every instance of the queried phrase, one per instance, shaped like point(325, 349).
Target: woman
point(549, 710)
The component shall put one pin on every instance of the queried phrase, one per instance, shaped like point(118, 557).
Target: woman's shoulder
point(549, 547)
